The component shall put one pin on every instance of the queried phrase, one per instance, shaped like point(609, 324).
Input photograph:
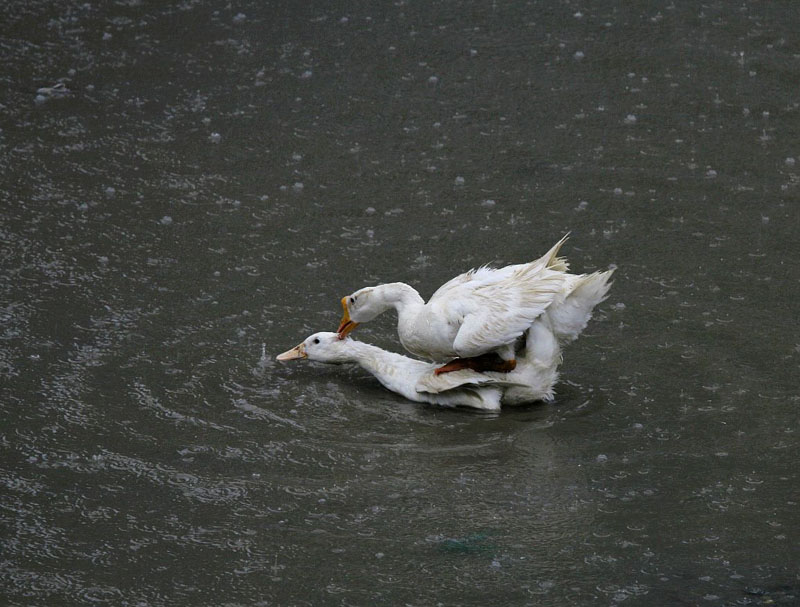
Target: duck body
point(399, 373)
point(478, 312)
point(533, 378)
point(485, 310)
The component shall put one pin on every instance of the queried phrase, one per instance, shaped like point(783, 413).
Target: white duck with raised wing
point(474, 320)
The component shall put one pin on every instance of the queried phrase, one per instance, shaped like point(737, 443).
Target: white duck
point(474, 320)
point(532, 379)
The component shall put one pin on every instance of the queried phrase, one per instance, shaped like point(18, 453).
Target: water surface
point(218, 175)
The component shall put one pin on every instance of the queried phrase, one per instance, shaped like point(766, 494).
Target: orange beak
point(299, 351)
point(346, 325)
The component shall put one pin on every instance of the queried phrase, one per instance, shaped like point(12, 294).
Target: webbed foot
point(480, 364)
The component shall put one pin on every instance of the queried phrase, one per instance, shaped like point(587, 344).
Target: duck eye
point(352, 300)
point(316, 340)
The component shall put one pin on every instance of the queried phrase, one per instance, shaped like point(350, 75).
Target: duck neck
point(365, 355)
point(403, 298)
point(371, 358)
point(396, 372)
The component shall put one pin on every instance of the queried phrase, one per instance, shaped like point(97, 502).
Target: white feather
point(570, 314)
point(481, 311)
point(531, 380)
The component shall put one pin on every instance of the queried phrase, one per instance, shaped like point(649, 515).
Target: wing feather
point(570, 316)
point(449, 381)
point(486, 308)
point(501, 311)
point(485, 274)
point(464, 378)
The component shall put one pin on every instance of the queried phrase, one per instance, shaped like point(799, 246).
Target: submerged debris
point(56, 91)
point(476, 543)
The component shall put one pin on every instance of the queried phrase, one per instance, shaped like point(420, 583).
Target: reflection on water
point(188, 183)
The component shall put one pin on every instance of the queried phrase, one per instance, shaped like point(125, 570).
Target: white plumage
point(524, 313)
point(537, 356)
point(484, 310)
point(532, 379)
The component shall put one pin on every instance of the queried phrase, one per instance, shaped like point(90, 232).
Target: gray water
point(220, 174)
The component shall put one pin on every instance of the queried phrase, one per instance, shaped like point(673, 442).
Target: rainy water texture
point(189, 187)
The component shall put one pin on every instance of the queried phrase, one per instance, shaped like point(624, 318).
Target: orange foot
point(484, 362)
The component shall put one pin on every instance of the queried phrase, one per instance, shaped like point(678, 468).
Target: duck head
point(365, 304)
point(357, 308)
point(323, 347)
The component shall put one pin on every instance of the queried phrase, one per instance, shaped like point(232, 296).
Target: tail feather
point(570, 317)
point(551, 260)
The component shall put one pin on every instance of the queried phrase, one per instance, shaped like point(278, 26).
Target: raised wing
point(486, 275)
point(500, 312)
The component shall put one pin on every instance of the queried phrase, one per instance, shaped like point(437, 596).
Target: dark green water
point(219, 175)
